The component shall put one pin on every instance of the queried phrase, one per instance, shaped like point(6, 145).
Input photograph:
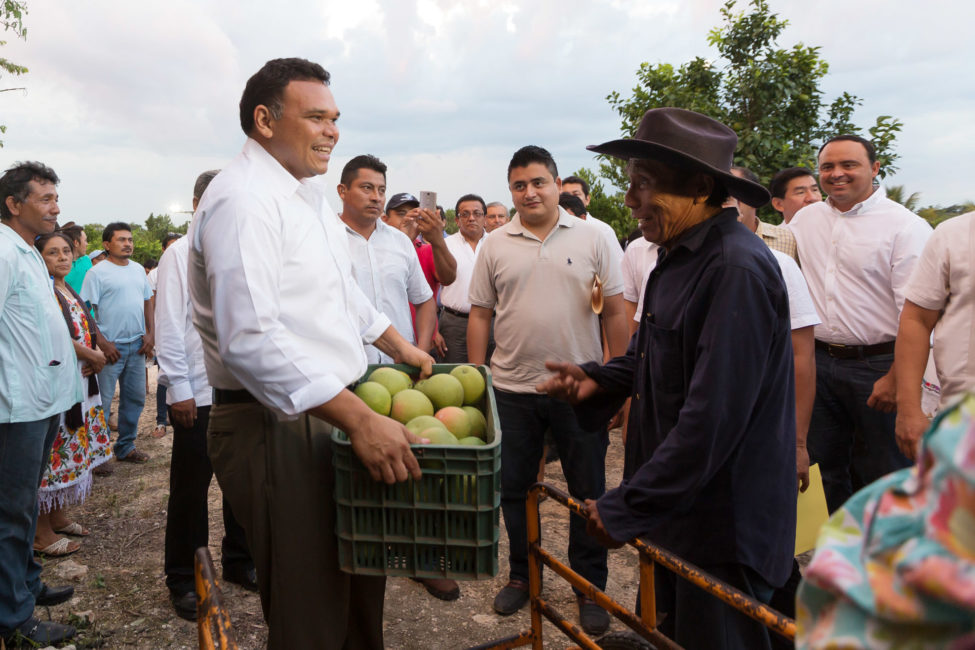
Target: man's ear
point(778, 204)
point(341, 189)
point(263, 121)
point(13, 205)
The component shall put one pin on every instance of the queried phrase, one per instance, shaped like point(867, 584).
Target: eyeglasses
point(468, 214)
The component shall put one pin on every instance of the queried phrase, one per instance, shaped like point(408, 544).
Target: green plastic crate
point(443, 526)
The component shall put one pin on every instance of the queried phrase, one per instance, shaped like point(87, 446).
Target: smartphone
point(428, 201)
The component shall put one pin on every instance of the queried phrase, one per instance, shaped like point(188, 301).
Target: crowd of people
point(734, 353)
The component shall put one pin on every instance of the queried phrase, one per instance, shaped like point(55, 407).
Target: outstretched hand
point(569, 383)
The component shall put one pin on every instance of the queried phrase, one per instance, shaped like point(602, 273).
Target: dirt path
point(123, 585)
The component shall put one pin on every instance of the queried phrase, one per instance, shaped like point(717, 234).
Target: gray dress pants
point(279, 479)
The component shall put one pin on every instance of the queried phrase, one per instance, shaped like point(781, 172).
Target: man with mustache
point(122, 298)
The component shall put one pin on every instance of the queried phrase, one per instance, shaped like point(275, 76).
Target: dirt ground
point(119, 580)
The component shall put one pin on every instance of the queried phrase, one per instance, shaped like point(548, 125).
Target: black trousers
point(187, 518)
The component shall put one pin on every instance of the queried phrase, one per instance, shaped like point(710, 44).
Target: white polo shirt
point(455, 295)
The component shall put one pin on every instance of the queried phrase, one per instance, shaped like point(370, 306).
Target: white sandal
point(59, 548)
point(74, 528)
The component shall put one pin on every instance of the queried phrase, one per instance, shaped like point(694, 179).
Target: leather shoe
point(441, 588)
point(184, 604)
point(53, 595)
point(593, 618)
point(42, 633)
point(511, 598)
point(243, 576)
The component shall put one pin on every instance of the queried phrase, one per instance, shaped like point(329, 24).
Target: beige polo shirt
point(944, 280)
point(541, 292)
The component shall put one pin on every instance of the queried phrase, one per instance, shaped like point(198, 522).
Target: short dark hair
point(871, 150)
point(73, 231)
point(532, 154)
point(203, 182)
point(150, 264)
point(469, 197)
point(112, 228)
point(364, 161)
point(746, 173)
point(169, 238)
point(16, 180)
point(783, 177)
point(41, 240)
point(572, 203)
point(266, 86)
point(577, 181)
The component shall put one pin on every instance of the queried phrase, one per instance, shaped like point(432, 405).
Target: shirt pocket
point(666, 364)
point(46, 388)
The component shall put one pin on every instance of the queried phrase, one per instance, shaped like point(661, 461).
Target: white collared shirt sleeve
point(801, 309)
point(178, 347)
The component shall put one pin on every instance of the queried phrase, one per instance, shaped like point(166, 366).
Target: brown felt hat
point(682, 138)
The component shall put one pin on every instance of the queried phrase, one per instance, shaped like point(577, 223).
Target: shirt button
point(643, 355)
point(638, 395)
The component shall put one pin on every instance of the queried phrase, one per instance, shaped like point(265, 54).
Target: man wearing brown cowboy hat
point(710, 460)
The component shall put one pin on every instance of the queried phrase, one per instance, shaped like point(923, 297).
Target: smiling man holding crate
point(283, 326)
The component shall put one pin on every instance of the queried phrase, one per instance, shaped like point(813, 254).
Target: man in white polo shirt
point(464, 245)
point(857, 250)
point(538, 272)
point(384, 261)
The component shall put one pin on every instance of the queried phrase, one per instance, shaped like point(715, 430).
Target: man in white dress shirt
point(464, 245)
point(384, 260)
point(188, 396)
point(283, 325)
point(857, 251)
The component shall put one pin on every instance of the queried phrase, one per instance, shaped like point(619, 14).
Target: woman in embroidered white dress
point(82, 442)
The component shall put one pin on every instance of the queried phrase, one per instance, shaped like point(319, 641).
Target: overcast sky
point(129, 101)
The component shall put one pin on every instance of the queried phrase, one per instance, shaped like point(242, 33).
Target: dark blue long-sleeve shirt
point(710, 469)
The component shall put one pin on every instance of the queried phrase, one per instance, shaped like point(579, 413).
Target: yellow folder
point(811, 512)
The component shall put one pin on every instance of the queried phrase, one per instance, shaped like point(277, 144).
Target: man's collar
point(15, 237)
point(693, 238)
point(875, 197)
point(276, 178)
point(516, 227)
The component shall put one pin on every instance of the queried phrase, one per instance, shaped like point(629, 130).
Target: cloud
point(133, 100)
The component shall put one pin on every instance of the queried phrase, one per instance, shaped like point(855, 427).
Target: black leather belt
point(225, 396)
point(838, 351)
point(454, 312)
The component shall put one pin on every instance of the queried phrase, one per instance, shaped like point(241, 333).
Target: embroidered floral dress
point(76, 450)
point(895, 566)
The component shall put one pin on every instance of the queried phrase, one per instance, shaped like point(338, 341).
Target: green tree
point(12, 18)
point(770, 96)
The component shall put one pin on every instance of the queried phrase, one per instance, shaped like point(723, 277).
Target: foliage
point(605, 207)
point(896, 193)
point(770, 96)
point(935, 215)
point(12, 19)
point(450, 221)
point(147, 238)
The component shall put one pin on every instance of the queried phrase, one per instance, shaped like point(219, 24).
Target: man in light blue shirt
point(39, 380)
point(121, 296)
